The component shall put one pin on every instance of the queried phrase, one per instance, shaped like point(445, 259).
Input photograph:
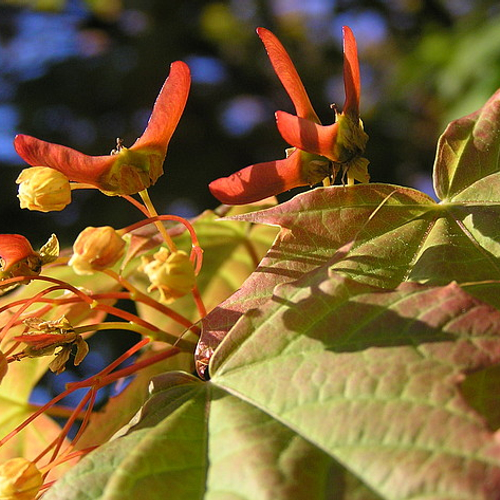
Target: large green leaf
point(194, 440)
point(372, 377)
point(391, 234)
point(369, 377)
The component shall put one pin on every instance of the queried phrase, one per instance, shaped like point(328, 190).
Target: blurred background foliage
point(82, 73)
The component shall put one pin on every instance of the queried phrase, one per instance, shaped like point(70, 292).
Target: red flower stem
point(175, 218)
point(84, 297)
point(126, 315)
point(57, 443)
point(58, 411)
point(117, 325)
point(71, 387)
point(99, 380)
point(90, 398)
point(23, 308)
point(98, 377)
point(83, 426)
point(140, 297)
point(136, 204)
point(137, 295)
point(35, 415)
point(129, 370)
point(196, 251)
point(22, 301)
point(199, 301)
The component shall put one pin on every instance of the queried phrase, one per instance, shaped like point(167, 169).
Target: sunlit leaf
point(397, 234)
point(372, 377)
point(120, 409)
point(194, 440)
point(468, 152)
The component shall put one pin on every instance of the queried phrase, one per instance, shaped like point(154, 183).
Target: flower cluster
point(74, 291)
point(318, 151)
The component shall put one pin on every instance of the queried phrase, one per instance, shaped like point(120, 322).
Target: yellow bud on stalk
point(43, 189)
point(96, 249)
point(20, 479)
point(171, 273)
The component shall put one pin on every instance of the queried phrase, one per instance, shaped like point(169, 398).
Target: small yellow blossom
point(20, 479)
point(171, 273)
point(43, 189)
point(96, 249)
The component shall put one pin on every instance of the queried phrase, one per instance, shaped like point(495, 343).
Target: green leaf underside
point(468, 151)
point(372, 377)
point(195, 441)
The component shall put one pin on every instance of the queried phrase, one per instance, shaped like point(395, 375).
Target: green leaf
point(372, 377)
point(364, 377)
point(468, 150)
point(193, 440)
point(480, 389)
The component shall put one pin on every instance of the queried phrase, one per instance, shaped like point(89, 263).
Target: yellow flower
point(171, 273)
point(96, 249)
point(20, 479)
point(43, 189)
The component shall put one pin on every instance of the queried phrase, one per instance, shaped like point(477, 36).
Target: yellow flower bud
point(43, 189)
point(20, 479)
point(172, 273)
point(95, 249)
